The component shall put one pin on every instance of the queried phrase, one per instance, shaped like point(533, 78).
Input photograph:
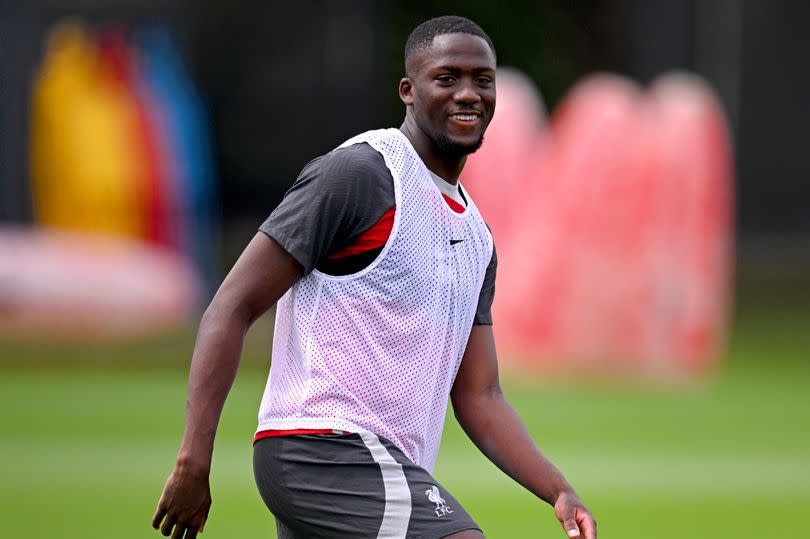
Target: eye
point(485, 81)
point(445, 80)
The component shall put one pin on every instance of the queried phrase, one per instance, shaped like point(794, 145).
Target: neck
point(447, 168)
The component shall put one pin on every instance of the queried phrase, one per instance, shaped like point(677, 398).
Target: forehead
point(464, 51)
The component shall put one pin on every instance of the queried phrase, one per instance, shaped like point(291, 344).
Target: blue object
point(186, 124)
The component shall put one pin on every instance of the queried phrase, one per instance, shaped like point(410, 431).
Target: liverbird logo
point(441, 506)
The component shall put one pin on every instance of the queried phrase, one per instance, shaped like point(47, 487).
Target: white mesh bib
point(378, 350)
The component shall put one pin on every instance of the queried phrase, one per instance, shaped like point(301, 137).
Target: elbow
point(222, 311)
point(472, 404)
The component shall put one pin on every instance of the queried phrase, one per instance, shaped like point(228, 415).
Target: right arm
point(263, 273)
point(336, 198)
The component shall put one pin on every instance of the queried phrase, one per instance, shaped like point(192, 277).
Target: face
point(450, 92)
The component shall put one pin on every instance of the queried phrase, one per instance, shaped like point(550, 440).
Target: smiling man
point(384, 273)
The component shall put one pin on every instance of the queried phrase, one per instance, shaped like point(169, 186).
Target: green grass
point(85, 447)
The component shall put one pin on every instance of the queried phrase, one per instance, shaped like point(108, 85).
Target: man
point(386, 269)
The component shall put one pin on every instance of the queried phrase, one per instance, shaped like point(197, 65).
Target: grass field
point(85, 445)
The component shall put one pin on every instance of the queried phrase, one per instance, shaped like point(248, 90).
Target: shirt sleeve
point(483, 314)
point(337, 197)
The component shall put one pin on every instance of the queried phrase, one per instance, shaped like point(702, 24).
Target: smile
point(466, 116)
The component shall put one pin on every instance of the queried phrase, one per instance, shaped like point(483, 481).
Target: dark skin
point(453, 79)
point(457, 74)
point(449, 94)
point(263, 273)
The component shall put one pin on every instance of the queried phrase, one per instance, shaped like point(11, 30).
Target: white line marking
point(397, 512)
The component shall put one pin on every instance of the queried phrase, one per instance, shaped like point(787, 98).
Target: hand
point(184, 504)
point(575, 518)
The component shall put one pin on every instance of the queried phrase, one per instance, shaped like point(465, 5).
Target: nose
point(467, 93)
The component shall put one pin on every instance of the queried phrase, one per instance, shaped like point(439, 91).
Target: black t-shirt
point(336, 198)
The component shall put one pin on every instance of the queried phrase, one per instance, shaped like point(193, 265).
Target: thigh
point(466, 534)
point(320, 485)
point(282, 531)
point(352, 486)
point(435, 512)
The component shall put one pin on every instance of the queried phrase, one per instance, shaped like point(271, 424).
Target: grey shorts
point(351, 486)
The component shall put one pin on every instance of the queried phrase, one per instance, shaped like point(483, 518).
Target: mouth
point(466, 117)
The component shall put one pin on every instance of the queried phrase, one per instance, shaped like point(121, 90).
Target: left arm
point(495, 428)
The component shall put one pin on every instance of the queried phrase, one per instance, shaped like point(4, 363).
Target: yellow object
point(85, 170)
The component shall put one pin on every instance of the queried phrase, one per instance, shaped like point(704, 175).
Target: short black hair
point(422, 36)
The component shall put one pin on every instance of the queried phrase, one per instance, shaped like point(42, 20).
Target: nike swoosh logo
point(453, 242)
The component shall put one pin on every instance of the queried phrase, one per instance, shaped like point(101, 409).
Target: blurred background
point(645, 179)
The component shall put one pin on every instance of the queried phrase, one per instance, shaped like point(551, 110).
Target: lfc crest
point(441, 506)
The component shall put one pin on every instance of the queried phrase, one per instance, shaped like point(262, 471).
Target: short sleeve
point(337, 197)
point(483, 313)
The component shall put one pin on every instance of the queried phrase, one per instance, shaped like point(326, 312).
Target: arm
point(495, 428)
point(263, 273)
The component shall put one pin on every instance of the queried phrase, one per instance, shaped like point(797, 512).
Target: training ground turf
point(85, 448)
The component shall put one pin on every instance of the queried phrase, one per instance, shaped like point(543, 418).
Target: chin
point(454, 148)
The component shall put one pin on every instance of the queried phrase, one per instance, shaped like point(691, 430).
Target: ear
point(406, 90)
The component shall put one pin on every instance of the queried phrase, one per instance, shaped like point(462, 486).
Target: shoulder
point(346, 176)
point(356, 163)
